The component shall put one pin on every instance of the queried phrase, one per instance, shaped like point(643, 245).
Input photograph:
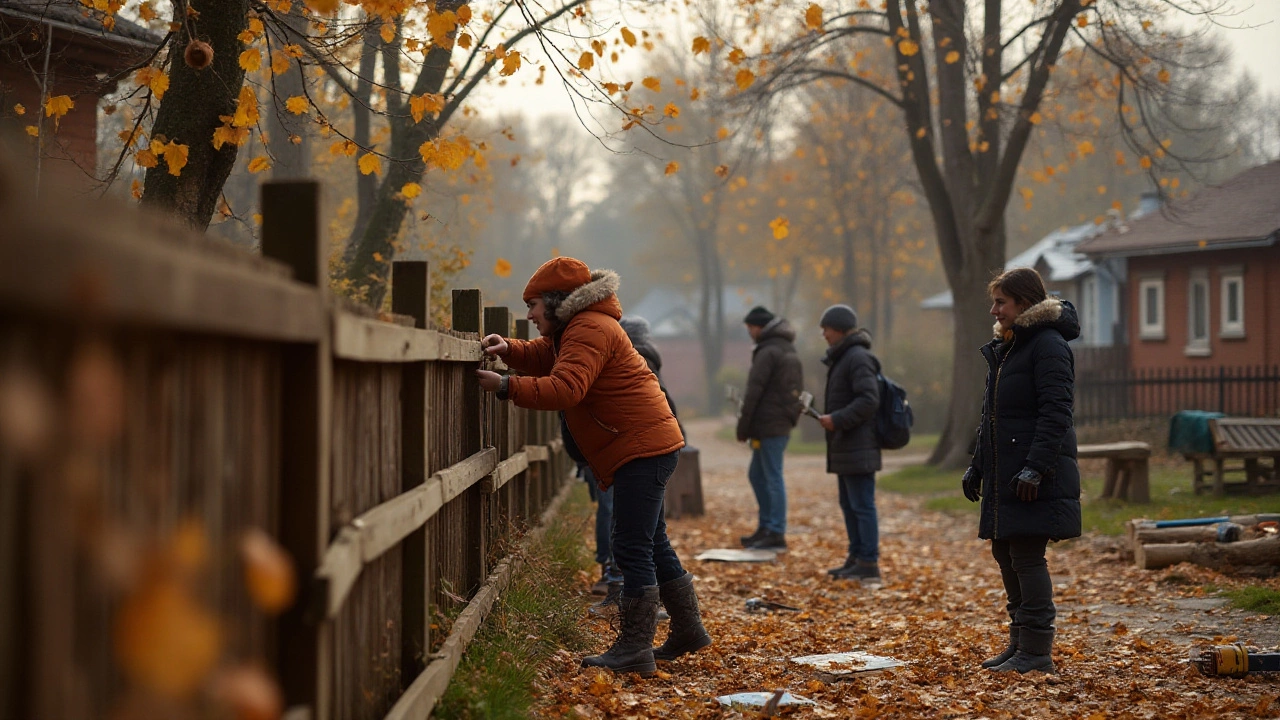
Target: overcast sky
point(1253, 33)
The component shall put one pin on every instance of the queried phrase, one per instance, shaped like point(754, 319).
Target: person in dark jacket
point(853, 450)
point(770, 409)
point(1024, 464)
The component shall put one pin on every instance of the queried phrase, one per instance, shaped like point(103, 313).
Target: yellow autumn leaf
point(18, 109)
point(135, 189)
point(510, 63)
point(628, 37)
point(1026, 193)
point(1145, 162)
point(297, 105)
point(908, 47)
point(722, 171)
point(259, 164)
point(502, 268)
point(463, 14)
point(781, 227)
point(744, 79)
point(952, 57)
point(153, 78)
point(701, 45)
point(33, 131)
point(722, 133)
point(280, 63)
point(269, 575)
point(388, 32)
point(1163, 75)
point(323, 7)
point(1085, 148)
point(736, 56)
point(411, 190)
point(370, 164)
point(464, 41)
point(227, 133)
point(652, 83)
point(813, 17)
point(251, 59)
point(57, 106)
point(586, 62)
point(175, 156)
point(165, 641)
point(1102, 189)
point(246, 108)
point(1082, 21)
point(1119, 157)
point(671, 110)
point(672, 168)
point(1035, 118)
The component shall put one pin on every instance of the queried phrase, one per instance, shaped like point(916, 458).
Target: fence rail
point(162, 399)
point(1251, 391)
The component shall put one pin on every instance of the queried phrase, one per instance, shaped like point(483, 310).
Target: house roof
point(72, 15)
point(1244, 211)
point(673, 312)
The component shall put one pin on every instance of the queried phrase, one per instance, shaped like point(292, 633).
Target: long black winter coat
point(771, 405)
point(1026, 422)
point(853, 396)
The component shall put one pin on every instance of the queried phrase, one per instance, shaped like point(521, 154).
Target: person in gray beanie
point(853, 450)
point(770, 409)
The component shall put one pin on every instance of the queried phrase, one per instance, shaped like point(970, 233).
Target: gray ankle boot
point(1008, 652)
point(632, 651)
point(687, 633)
point(1034, 653)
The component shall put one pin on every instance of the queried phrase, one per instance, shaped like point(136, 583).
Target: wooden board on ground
point(736, 555)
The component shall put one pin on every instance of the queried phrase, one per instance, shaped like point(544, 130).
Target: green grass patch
point(1255, 598)
point(1171, 497)
point(539, 613)
point(920, 443)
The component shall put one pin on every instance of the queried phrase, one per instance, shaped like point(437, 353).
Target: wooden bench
point(1127, 469)
point(1250, 440)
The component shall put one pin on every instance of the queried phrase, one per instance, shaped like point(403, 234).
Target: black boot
point(686, 634)
point(848, 563)
point(861, 570)
point(770, 541)
point(1034, 648)
point(747, 540)
point(1008, 652)
point(632, 651)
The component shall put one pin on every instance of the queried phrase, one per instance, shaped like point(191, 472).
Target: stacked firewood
point(1238, 541)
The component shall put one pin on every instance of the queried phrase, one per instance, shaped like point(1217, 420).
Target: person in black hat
point(853, 450)
point(770, 409)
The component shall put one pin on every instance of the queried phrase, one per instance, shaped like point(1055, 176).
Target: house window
point(1231, 283)
point(1151, 308)
point(1089, 310)
point(1198, 313)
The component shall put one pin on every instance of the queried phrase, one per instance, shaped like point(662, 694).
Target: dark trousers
point(640, 546)
point(858, 504)
point(1026, 581)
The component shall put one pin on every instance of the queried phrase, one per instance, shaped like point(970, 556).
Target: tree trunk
point(291, 160)
point(362, 118)
point(191, 110)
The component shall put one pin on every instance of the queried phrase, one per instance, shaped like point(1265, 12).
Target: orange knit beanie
point(561, 273)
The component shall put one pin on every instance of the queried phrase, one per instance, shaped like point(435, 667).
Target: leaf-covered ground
point(1123, 634)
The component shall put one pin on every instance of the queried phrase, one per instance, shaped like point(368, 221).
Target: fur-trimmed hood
point(601, 291)
point(1051, 312)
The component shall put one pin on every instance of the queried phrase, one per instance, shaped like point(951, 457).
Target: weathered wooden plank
point(537, 453)
point(340, 569)
point(382, 527)
point(456, 479)
point(507, 469)
point(364, 339)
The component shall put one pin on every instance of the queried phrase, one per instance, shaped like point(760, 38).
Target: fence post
point(527, 418)
point(468, 312)
point(291, 234)
point(497, 321)
point(411, 296)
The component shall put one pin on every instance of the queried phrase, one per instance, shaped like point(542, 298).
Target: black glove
point(1027, 484)
point(972, 484)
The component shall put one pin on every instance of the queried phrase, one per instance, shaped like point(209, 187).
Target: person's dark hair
point(552, 299)
point(1023, 285)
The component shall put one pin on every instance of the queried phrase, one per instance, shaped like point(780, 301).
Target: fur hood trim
point(604, 284)
point(1046, 312)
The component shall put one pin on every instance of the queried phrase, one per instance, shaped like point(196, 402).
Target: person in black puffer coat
point(853, 449)
point(1024, 466)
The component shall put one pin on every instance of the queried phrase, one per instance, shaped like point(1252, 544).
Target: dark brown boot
point(687, 633)
point(632, 651)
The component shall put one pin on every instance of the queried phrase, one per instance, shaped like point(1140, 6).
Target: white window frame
point(1089, 308)
point(1227, 277)
point(1198, 345)
point(1151, 330)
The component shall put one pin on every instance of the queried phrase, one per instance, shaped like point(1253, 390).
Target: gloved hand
point(1027, 484)
point(972, 484)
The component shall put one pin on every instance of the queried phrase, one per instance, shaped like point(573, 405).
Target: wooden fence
point(167, 404)
point(1250, 391)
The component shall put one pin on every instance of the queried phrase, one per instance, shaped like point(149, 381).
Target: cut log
point(1222, 532)
point(1264, 551)
point(1136, 524)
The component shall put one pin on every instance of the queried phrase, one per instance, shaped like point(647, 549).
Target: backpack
point(894, 416)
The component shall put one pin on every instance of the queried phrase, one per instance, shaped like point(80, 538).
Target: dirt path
point(1124, 634)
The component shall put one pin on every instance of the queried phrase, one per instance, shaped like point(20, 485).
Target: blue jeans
point(640, 545)
point(604, 524)
point(765, 474)
point(858, 503)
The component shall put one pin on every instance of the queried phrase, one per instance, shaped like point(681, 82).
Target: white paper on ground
point(758, 699)
point(847, 663)
point(736, 555)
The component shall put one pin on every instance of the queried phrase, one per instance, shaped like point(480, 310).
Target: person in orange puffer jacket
point(584, 365)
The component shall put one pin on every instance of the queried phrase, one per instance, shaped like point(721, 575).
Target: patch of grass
point(1171, 497)
point(1255, 598)
point(920, 443)
point(537, 615)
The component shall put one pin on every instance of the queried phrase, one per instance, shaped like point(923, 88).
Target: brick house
point(64, 47)
point(1202, 289)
